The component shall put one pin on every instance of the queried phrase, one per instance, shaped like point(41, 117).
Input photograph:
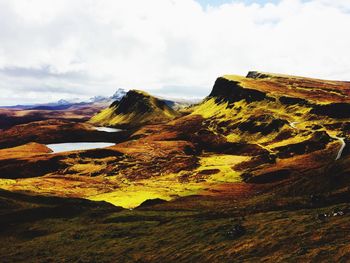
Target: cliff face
point(286, 115)
point(315, 91)
point(261, 162)
point(232, 91)
point(136, 108)
point(325, 98)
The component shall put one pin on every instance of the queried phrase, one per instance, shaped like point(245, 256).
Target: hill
point(258, 171)
point(285, 115)
point(134, 109)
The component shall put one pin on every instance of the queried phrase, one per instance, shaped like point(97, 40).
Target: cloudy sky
point(52, 49)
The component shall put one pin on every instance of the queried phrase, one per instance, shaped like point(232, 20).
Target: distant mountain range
point(61, 104)
point(64, 104)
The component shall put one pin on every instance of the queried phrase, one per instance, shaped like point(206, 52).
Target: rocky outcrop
point(265, 124)
point(231, 91)
point(318, 141)
point(257, 75)
point(293, 101)
point(333, 110)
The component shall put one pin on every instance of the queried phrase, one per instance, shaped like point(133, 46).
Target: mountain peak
point(134, 109)
point(119, 94)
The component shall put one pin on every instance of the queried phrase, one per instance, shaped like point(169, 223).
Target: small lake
point(75, 146)
point(107, 129)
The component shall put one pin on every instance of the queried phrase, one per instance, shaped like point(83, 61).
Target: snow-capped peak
point(119, 94)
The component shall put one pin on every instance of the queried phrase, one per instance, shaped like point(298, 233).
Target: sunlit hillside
point(261, 156)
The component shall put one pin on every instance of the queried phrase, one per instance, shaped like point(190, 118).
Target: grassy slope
point(316, 90)
point(133, 116)
point(301, 217)
point(150, 166)
point(297, 123)
point(176, 234)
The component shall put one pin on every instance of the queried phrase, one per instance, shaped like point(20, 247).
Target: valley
point(260, 169)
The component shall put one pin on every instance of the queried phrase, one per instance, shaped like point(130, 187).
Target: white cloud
point(52, 49)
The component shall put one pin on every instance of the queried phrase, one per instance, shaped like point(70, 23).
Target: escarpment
point(231, 91)
point(283, 114)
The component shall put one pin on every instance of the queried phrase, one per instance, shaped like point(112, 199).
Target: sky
point(51, 50)
point(215, 3)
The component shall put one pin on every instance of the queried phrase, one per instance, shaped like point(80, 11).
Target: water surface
point(74, 146)
point(107, 129)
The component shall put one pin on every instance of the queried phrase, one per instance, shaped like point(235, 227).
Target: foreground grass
point(99, 233)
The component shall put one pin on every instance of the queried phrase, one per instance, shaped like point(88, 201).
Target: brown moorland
point(258, 171)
